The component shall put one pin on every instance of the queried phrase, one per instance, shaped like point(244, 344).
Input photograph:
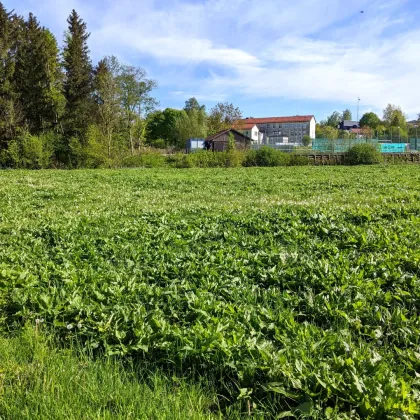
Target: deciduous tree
point(370, 119)
point(394, 116)
point(223, 116)
point(107, 96)
point(136, 101)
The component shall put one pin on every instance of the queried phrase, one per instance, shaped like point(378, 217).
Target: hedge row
point(266, 156)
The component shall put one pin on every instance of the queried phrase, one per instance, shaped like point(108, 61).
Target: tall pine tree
point(78, 78)
point(38, 78)
point(10, 114)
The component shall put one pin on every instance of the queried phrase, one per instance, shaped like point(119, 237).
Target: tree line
point(57, 109)
point(393, 125)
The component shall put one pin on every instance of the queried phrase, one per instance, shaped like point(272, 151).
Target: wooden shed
point(219, 141)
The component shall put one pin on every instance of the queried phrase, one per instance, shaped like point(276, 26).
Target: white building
point(274, 130)
point(250, 130)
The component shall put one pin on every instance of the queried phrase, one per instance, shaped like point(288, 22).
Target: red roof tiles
point(242, 125)
point(271, 120)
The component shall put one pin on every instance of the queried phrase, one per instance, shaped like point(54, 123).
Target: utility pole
point(358, 104)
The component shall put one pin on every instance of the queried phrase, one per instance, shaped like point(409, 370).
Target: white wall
point(253, 134)
point(312, 128)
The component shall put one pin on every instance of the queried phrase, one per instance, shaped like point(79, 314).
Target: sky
point(268, 57)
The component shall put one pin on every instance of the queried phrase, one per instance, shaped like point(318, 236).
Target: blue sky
point(269, 57)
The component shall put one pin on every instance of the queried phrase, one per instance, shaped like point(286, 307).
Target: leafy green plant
point(267, 156)
point(306, 140)
point(363, 154)
point(297, 288)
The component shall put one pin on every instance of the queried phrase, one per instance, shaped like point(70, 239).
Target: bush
point(28, 151)
point(178, 160)
point(145, 160)
point(158, 144)
point(298, 160)
point(306, 140)
point(250, 158)
point(205, 159)
point(363, 154)
point(266, 156)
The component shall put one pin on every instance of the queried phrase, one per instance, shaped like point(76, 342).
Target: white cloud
point(306, 49)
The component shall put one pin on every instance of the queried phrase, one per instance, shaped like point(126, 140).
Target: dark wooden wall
point(220, 143)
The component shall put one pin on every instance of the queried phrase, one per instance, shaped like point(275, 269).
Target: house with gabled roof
point(278, 130)
point(219, 142)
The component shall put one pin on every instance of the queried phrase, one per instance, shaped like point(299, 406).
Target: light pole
point(358, 104)
point(399, 133)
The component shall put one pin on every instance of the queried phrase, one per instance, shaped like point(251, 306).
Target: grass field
point(271, 292)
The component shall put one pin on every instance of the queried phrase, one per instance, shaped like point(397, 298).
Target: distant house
point(219, 141)
point(278, 130)
point(347, 125)
point(414, 123)
point(250, 130)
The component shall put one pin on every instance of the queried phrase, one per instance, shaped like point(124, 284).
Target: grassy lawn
point(202, 293)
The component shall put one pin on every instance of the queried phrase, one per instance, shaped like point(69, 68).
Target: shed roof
point(221, 133)
point(350, 123)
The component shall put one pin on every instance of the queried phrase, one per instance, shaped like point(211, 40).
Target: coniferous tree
point(78, 78)
point(10, 115)
point(38, 78)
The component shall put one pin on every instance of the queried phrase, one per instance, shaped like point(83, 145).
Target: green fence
point(343, 145)
point(339, 145)
point(415, 144)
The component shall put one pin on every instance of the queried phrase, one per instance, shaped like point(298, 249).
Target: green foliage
point(10, 112)
point(95, 154)
point(363, 154)
point(231, 144)
point(333, 120)
point(297, 288)
point(38, 77)
point(29, 151)
point(298, 160)
point(189, 125)
point(370, 119)
point(306, 140)
point(145, 160)
point(266, 156)
point(38, 377)
point(222, 116)
point(347, 115)
point(394, 116)
point(193, 105)
point(78, 81)
point(158, 144)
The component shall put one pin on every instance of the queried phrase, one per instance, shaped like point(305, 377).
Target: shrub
point(206, 159)
point(363, 154)
point(298, 160)
point(145, 160)
point(178, 160)
point(28, 151)
point(250, 158)
point(158, 144)
point(267, 156)
point(234, 158)
point(306, 140)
